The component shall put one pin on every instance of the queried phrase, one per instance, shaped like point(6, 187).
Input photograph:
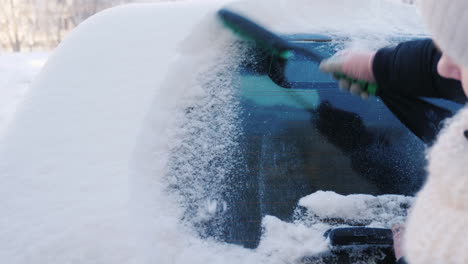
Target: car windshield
point(254, 148)
point(301, 140)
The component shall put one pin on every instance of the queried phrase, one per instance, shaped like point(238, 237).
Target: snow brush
point(422, 118)
point(279, 47)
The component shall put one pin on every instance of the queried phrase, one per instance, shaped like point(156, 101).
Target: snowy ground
point(17, 71)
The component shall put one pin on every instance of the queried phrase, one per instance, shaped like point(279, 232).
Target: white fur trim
point(437, 227)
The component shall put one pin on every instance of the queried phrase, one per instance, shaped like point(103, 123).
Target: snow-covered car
point(261, 147)
point(154, 135)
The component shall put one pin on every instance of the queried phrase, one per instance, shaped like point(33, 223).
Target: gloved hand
point(357, 65)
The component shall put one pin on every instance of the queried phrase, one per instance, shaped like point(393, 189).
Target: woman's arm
point(411, 69)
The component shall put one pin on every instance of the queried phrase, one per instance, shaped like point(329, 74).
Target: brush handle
point(370, 88)
point(276, 44)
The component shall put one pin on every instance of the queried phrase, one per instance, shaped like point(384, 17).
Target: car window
point(251, 148)
point(298, 141)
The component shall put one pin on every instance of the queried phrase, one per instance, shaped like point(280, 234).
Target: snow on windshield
point(200, 138)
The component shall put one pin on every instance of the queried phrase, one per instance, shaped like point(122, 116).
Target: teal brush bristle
point(284, 54)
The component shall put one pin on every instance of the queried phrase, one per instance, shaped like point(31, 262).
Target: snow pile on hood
point(356, 209)
point(65, 192)
point(288, 242)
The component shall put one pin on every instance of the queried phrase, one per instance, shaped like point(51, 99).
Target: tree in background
point(17, 20)
point(42, 24)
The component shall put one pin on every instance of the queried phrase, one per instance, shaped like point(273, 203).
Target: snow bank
point(16, 74)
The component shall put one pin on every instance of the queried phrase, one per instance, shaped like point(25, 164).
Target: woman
point(436, 227)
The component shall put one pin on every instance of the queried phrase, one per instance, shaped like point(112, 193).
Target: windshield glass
point(299, 141)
